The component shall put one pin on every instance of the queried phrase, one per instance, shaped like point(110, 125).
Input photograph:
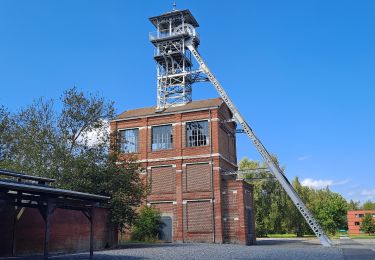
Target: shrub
point(147, 225)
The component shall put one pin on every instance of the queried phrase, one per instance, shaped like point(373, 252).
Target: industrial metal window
point(129, 140)
point(162, 137)
point(197, 133)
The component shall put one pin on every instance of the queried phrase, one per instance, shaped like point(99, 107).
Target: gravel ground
point(280, 249)
point(265, 249)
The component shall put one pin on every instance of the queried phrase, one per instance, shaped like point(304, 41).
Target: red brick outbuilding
point(355, 219)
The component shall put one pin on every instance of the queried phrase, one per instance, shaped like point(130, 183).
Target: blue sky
point(301, 72)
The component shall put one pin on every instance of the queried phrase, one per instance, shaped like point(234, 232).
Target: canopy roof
point(40, 188)
point(188, 17)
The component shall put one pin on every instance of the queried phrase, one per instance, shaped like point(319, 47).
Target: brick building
point(184, 151)
point(355, 219)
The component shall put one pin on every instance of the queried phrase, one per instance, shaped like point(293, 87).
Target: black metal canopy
point(43, 190)
point(21, 190)
point(22, 176)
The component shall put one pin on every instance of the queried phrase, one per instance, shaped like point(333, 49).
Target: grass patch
point(287, 236)
point(362, 236)
point(338, 235)
point(359, 236)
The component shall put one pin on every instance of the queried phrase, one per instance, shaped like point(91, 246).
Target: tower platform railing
point(155, 35)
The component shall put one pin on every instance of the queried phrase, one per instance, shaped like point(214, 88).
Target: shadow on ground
point(289, 241)
point(140, 245)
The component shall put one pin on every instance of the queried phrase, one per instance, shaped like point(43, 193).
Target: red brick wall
point(353, 217)
point(237, 202)
point(227, 137)
point(198, 226)
point(168, 209)
point(179, 146)
point(162, 180)
point(69, 232)
point(196, 176)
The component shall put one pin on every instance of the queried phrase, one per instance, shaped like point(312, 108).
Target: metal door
point(166, 229)
point(250, 231)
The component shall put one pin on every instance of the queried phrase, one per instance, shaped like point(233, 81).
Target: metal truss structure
point(174, 65)
point(273, 167)
point(176, 41)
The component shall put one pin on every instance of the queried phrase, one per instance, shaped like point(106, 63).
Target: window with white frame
point(129, 140)
point(162, 137)
point(197, 133)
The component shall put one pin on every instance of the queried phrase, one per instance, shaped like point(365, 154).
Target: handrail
point(157, 35)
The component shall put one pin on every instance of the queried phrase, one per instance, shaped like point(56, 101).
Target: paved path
point(361, 249)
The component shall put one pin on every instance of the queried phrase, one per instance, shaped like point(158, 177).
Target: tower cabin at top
point(175, 74)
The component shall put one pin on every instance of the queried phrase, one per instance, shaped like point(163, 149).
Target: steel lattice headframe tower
point(174, 65)
point(176, 41)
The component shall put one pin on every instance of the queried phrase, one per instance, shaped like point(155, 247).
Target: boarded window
point(197, 133)
point(129, 140)
point(199, 216)
point(197, 177)
point(162, 180)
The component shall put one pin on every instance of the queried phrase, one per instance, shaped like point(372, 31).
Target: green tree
point(368, 205)
point(72, 146)
point(329, 208)
point(296, 222)
point(353, 205)
point(269, 197)
point(276, 213)
point(6, 126)
point(368, 224)
point(147, 225)
point(32, 140)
